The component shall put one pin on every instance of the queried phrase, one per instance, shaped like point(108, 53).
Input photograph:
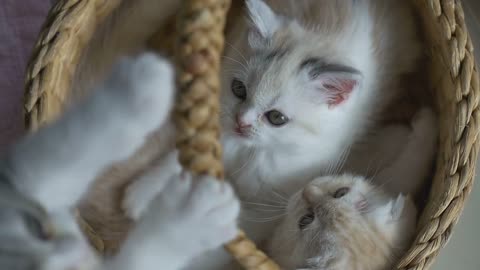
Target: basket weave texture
point(453, 77)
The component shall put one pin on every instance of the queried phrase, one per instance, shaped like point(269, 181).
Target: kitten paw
point(67, 252)
point(201, 210)
point(144, 86)
point(67, 249)
point(142, 191)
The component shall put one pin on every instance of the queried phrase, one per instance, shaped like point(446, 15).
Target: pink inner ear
point(339, 91)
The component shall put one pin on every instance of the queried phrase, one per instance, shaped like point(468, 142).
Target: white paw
point(67, 249)
point(143, 190)
point(67, 252)
point(201, 212)
point(144, 85)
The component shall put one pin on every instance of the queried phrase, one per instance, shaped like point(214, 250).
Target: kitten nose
point(311, 193)
point(241, 123)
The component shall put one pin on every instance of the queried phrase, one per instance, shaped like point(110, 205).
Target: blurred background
point(20, 21)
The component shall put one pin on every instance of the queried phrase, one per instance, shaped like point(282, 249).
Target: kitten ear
point(398, 206)
point(335, 88)
point(264, 23)
point(395, 208)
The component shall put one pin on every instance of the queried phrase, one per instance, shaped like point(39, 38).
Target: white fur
point(317, 136)
point(55, 167)
point(263, 18)
point(140, 193)
point(189, 217)
point(265, 22)
point(108, 127)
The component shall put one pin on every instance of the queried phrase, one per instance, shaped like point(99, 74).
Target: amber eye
point(306, 220)
point(341, 192)
point(239, 89)
point(276, 118)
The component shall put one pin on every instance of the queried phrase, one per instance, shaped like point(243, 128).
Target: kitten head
point(286, 85)
point(337, 220)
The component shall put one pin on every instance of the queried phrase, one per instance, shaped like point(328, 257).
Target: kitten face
point(284, 86)
point(331, 195)
point(329, 202)
point(335, 216)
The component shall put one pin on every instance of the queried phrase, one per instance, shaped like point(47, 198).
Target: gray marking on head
point(276, 54)
point(317, 66)
point(272, 55)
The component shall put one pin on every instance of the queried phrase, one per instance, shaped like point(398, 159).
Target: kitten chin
point(345, 222)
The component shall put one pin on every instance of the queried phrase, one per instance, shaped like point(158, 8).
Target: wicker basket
point(453, 78)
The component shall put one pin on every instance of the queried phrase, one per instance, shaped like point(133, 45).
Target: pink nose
point(241, 125)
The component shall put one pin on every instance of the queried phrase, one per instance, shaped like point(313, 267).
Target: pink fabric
point(20, 22)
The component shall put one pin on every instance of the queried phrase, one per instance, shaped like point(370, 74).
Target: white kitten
point(54, 167)
point(304, 81)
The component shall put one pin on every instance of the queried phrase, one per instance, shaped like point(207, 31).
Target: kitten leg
point(70, 249)
point(23, 245)
point(143, 190)
point(189, 217)
point(408, 172)
point(56, 165)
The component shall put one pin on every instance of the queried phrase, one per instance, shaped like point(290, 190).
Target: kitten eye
point(341, 192)
point(306, 220)
point(276, 118)
point(239, 89)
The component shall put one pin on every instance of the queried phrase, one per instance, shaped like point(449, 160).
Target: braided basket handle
point(199, 47)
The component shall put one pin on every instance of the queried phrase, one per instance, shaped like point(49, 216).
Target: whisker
point(250, 157)
point(266, 219)
point(236, 50)
point(235, 61)
point(263, 204)
point(282, 198)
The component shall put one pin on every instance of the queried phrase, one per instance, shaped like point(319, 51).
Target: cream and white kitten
point(343, 222)
point(54, 167)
